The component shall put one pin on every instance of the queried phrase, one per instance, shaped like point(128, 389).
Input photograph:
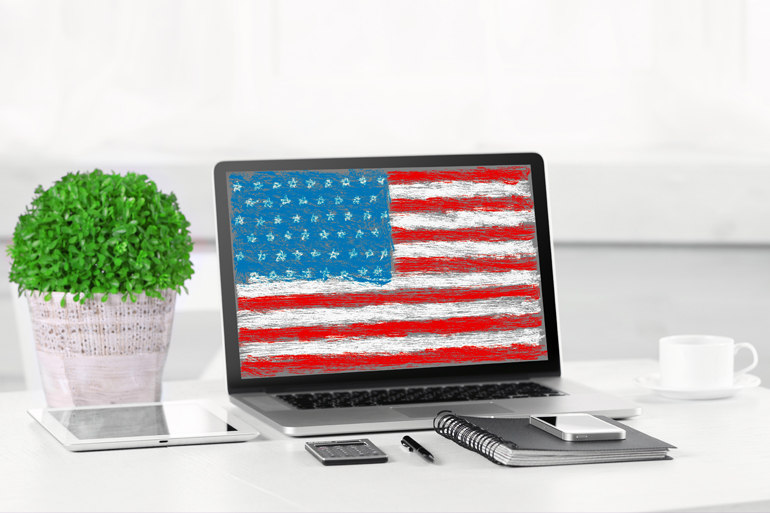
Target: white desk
point(723, 460)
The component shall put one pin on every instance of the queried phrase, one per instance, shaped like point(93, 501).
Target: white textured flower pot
point(101, 353)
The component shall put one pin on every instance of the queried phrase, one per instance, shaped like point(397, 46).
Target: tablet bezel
point(243, 431)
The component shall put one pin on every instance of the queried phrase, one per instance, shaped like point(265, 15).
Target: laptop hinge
point(412, 383)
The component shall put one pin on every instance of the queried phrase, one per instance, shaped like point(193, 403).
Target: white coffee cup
point(700, 362)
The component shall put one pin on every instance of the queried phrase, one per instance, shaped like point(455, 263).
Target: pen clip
point(407, 445)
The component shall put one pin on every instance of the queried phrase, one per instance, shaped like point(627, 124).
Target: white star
point(381, 180)
point(236, 187)
point(250, 202)
point(273, 275)
point(314, 218)
point(344, 275)
point(353, 252)
point(367, 215)
point(267, 203)
point(260, 221)
point(280, 256)
point(253, 277)
point(277, 220)
point(296, 218)
point(333, 255)
point(270, 237)
point(337, 200)
point(287, 236)
point(314, 253)
point(276, 185)
point(328, 183)
point(310, 183)
point(239, 256)
point(383, 254)
point(377, 271)
point(298, 254)
point(239, 220)
point(340, 234)
point(325, 273)
point(289, 273)
point(372, 199)
point(292, 183)
point(348, 216)
point(251, 238)
point(324, 234)
point(357, 200)
point(363, 271)
point(362, 180)
point(257, 185)
point(345, 182)
point(303, 201)
point(369, 253)
point(261, 256)
point(285, 200)
point(305, 235)
point(376, 232)
point(330, 216)
point(320, 200)
point(359, 234)
point(308, 273)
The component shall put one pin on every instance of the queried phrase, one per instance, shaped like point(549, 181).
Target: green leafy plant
point(99, 233)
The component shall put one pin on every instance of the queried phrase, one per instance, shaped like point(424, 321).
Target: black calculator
point(346, 452)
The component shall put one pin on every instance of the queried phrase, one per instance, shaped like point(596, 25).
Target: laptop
point(368, 294)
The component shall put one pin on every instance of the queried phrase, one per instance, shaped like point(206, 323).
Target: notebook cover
point(526, 437)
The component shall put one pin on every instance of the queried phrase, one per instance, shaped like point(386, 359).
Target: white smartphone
point(577, 427)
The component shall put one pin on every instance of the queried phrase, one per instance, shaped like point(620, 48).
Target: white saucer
point(652, 382)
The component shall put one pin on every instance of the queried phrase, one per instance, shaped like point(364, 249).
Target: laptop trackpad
point(418, 412)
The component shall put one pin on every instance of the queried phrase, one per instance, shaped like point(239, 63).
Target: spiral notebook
point(513, 442)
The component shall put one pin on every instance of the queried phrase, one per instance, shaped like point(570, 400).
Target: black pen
point(410, 444)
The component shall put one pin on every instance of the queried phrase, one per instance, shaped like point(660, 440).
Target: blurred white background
point(653, 116)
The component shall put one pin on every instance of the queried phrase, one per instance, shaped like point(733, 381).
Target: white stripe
point(265, 287)
point(458, 189)
point(461, 219)
point(384, 313)
point(528, 336)
point(463, 249)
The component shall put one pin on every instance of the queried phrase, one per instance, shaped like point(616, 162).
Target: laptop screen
point(385, 268)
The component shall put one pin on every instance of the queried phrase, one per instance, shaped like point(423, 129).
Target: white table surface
point(722, 463)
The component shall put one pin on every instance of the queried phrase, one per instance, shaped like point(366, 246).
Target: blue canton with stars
point(311, 225)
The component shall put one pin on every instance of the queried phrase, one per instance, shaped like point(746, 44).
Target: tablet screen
point(145, 420)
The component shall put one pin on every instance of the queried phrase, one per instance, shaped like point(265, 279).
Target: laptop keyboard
point(392, 396)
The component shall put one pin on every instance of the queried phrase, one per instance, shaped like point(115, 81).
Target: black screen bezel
point(510, 370)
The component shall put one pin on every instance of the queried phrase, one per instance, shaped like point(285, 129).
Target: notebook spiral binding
point(468, 435)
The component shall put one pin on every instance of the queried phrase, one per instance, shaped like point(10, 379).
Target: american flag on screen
point(372, 269)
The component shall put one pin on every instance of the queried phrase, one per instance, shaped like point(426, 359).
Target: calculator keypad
point(346, 452)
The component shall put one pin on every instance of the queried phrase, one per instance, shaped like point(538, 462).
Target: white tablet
point(125, 426)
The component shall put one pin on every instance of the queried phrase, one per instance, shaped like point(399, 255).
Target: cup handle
point(752, 365)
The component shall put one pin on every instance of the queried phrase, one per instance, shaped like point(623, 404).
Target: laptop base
point(405, 417)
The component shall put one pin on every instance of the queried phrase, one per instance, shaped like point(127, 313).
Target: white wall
point(654, 116)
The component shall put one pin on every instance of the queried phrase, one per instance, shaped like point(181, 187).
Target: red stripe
point(297, 364)
point(478, 204)
point(484, 234)
point(390, 328)
point(465, 265)
point(509, 174)
point(409, 296)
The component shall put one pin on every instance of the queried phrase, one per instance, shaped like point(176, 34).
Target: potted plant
point(100, 258)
